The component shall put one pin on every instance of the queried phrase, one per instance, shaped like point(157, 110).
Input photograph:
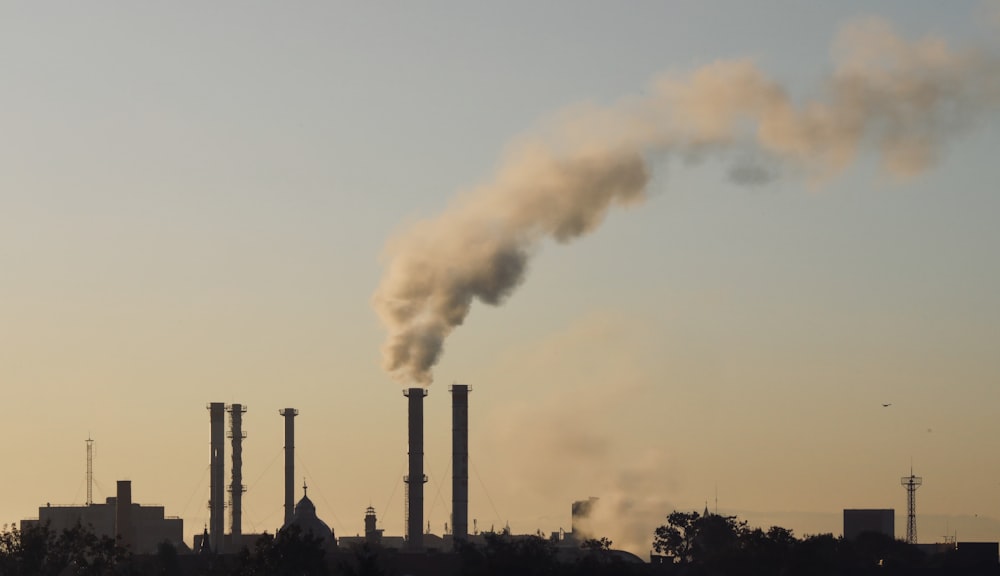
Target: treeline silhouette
point(694, 544)
point(688, 544)
point(39, 551)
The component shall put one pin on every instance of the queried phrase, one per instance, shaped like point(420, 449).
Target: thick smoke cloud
point(900, 99)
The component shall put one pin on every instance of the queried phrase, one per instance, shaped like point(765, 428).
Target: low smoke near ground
point(557, 446)
point(631, 506)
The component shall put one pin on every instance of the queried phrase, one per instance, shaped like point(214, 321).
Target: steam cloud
point(899, 98)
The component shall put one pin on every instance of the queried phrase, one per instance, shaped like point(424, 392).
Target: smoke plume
point(901, 100)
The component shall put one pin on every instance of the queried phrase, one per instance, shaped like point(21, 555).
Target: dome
point(305, 518)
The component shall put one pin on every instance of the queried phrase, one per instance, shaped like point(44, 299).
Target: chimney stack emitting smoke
point(901, 98)
point(217, 415)
point(415, 479)
point(460, 461)
point(289, 414)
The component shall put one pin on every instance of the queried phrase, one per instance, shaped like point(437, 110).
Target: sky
point(199, 202)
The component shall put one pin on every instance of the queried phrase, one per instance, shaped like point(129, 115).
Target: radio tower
point(911, 483)
point(90, 470)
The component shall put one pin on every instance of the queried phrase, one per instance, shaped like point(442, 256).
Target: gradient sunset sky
point(195, 204)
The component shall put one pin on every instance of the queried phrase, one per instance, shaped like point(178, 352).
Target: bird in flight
point(887, 405)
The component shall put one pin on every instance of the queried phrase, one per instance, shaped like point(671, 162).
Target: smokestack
point(415, 479)
point(581, 512)
point(289, 414)
point(460, 461)
point(216, 523)
point(236, 489)
point(123, 514)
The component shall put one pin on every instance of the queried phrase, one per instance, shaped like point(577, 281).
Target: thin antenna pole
point(90, 470)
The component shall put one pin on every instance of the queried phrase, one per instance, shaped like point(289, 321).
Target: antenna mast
point(90, 470)
point(911, 483)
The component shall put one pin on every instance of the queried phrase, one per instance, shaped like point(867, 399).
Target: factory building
point(143, 528)
point(140, 528)
point(374, 536)
point(858, 521)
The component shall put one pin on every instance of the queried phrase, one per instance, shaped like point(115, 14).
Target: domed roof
point(304, 517)
point(305, 506)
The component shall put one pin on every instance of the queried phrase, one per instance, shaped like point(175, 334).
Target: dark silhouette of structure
point(308, 523)
point(579, 513)
point(90, 471)
point(373, 536)
point(858, 521)
point(415, 479)
point(460, 461)
point(123, 514)
point(140, 528)
point(289, 414)
point(217, 498)
point(911, 483)
point(236, 489)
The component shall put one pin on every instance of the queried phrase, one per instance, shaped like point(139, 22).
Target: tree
point(717, 544)
point(765, 553)
point(290, 552)
point(166, 559)
point(364, 561)
point(676, 537)
point(40, 551)
point(599, 560)
point(597, 544)
point(818, 555)
point(690, 537)
point(503, 555)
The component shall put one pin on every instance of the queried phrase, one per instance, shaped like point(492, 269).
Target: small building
point(860, 520)
point(141, 528)
point(978, 555)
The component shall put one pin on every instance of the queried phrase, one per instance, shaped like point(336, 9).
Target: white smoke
point(628, 510)
point(903, 100)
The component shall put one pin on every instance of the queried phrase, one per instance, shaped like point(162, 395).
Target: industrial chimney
point(460, 461)
point(236, 489)
point(217, 502)
point(415, 479)
point(123, 514)
point(289, 414)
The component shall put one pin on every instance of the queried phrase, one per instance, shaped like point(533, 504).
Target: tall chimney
point(123, 515)
point(289, 414)
point(460, 461)
point(217, 503)
point(415, 479)
point(236, 489)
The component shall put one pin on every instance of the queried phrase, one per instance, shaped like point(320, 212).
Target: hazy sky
point(195, 201)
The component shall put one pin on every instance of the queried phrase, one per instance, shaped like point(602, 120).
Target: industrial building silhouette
point(142, 528)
